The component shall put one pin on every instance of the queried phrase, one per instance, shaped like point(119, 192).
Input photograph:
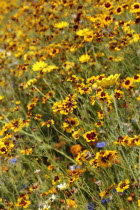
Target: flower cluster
point(69, 104)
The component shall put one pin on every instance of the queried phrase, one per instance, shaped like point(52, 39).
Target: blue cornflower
point(13, 160)
point(101, 144)
point(91, 206)
point(114, 190)
point(103, 201)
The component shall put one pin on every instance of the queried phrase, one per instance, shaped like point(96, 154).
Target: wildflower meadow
point(69, 104)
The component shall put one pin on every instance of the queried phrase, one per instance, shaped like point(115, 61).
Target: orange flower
point(75, 149)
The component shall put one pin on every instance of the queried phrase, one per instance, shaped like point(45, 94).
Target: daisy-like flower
point(91, 136)
point(107, 5)
point(128, 83)
point(84, 58)
point(27, 151)
point(47, 123)
point(62, 186)
point(65, 106)
point(69, 124)
point(75, 149)
point(30, 82)
point(135, 8)
point(39, 66)
point(76, 134)
point(104, 159)
point(84, 32)
point(118, 94)
point(61, 24)
point(71, 203)
point(119, 10)
point(50, 68)
point(109, 81)
point(123, 186)
point(16, 125)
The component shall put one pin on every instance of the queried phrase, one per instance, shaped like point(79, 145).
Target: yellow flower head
point(70, 123)
point(123, 185)
point(16, 125)
point(71, 203)
point(61, 25)
point(135, 8)
point(91, 136)
point(39, 66)
point(30, 82)
point(84, 32)
point(109, 81)
point(84, 58)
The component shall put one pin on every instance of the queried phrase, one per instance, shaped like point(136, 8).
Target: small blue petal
point(13, 160)
point(103, 201)
point(91, 206)
point(101, 144)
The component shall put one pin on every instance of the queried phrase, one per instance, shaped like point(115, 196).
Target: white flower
point(46, 207)
point(37, 171)
point(43, 206)
point(61, 186)
point(53, 197)
point(73, 167)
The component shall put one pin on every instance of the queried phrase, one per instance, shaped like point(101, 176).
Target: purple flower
point(13, 160)
point(101, 144)
point(114, 190)
point(91, 206)
point(103, 201)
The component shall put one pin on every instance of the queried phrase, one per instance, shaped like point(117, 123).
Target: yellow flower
point(71, 203)
point(99, 124)
point(135, 8)
point(109, 81)
point(83, 89)
point(30, 82)
point(139, 203)
point(65, 106)
point(135, 38)
point(39, 66)
point(128, 83)
point(118, 94)
point(123, 185)
point(106, 158)
point(99, 54)
point(84, 32)
point(1, 97)
point(61, 25)
point(1, 117)
point(69, 124)
point(26, 151)
point(138, 98)
point(16, 125)
point(76, 134)
point(90, 136)
point(84, 58)
point(119, 10)
point(47, 123)
point(107, 5)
